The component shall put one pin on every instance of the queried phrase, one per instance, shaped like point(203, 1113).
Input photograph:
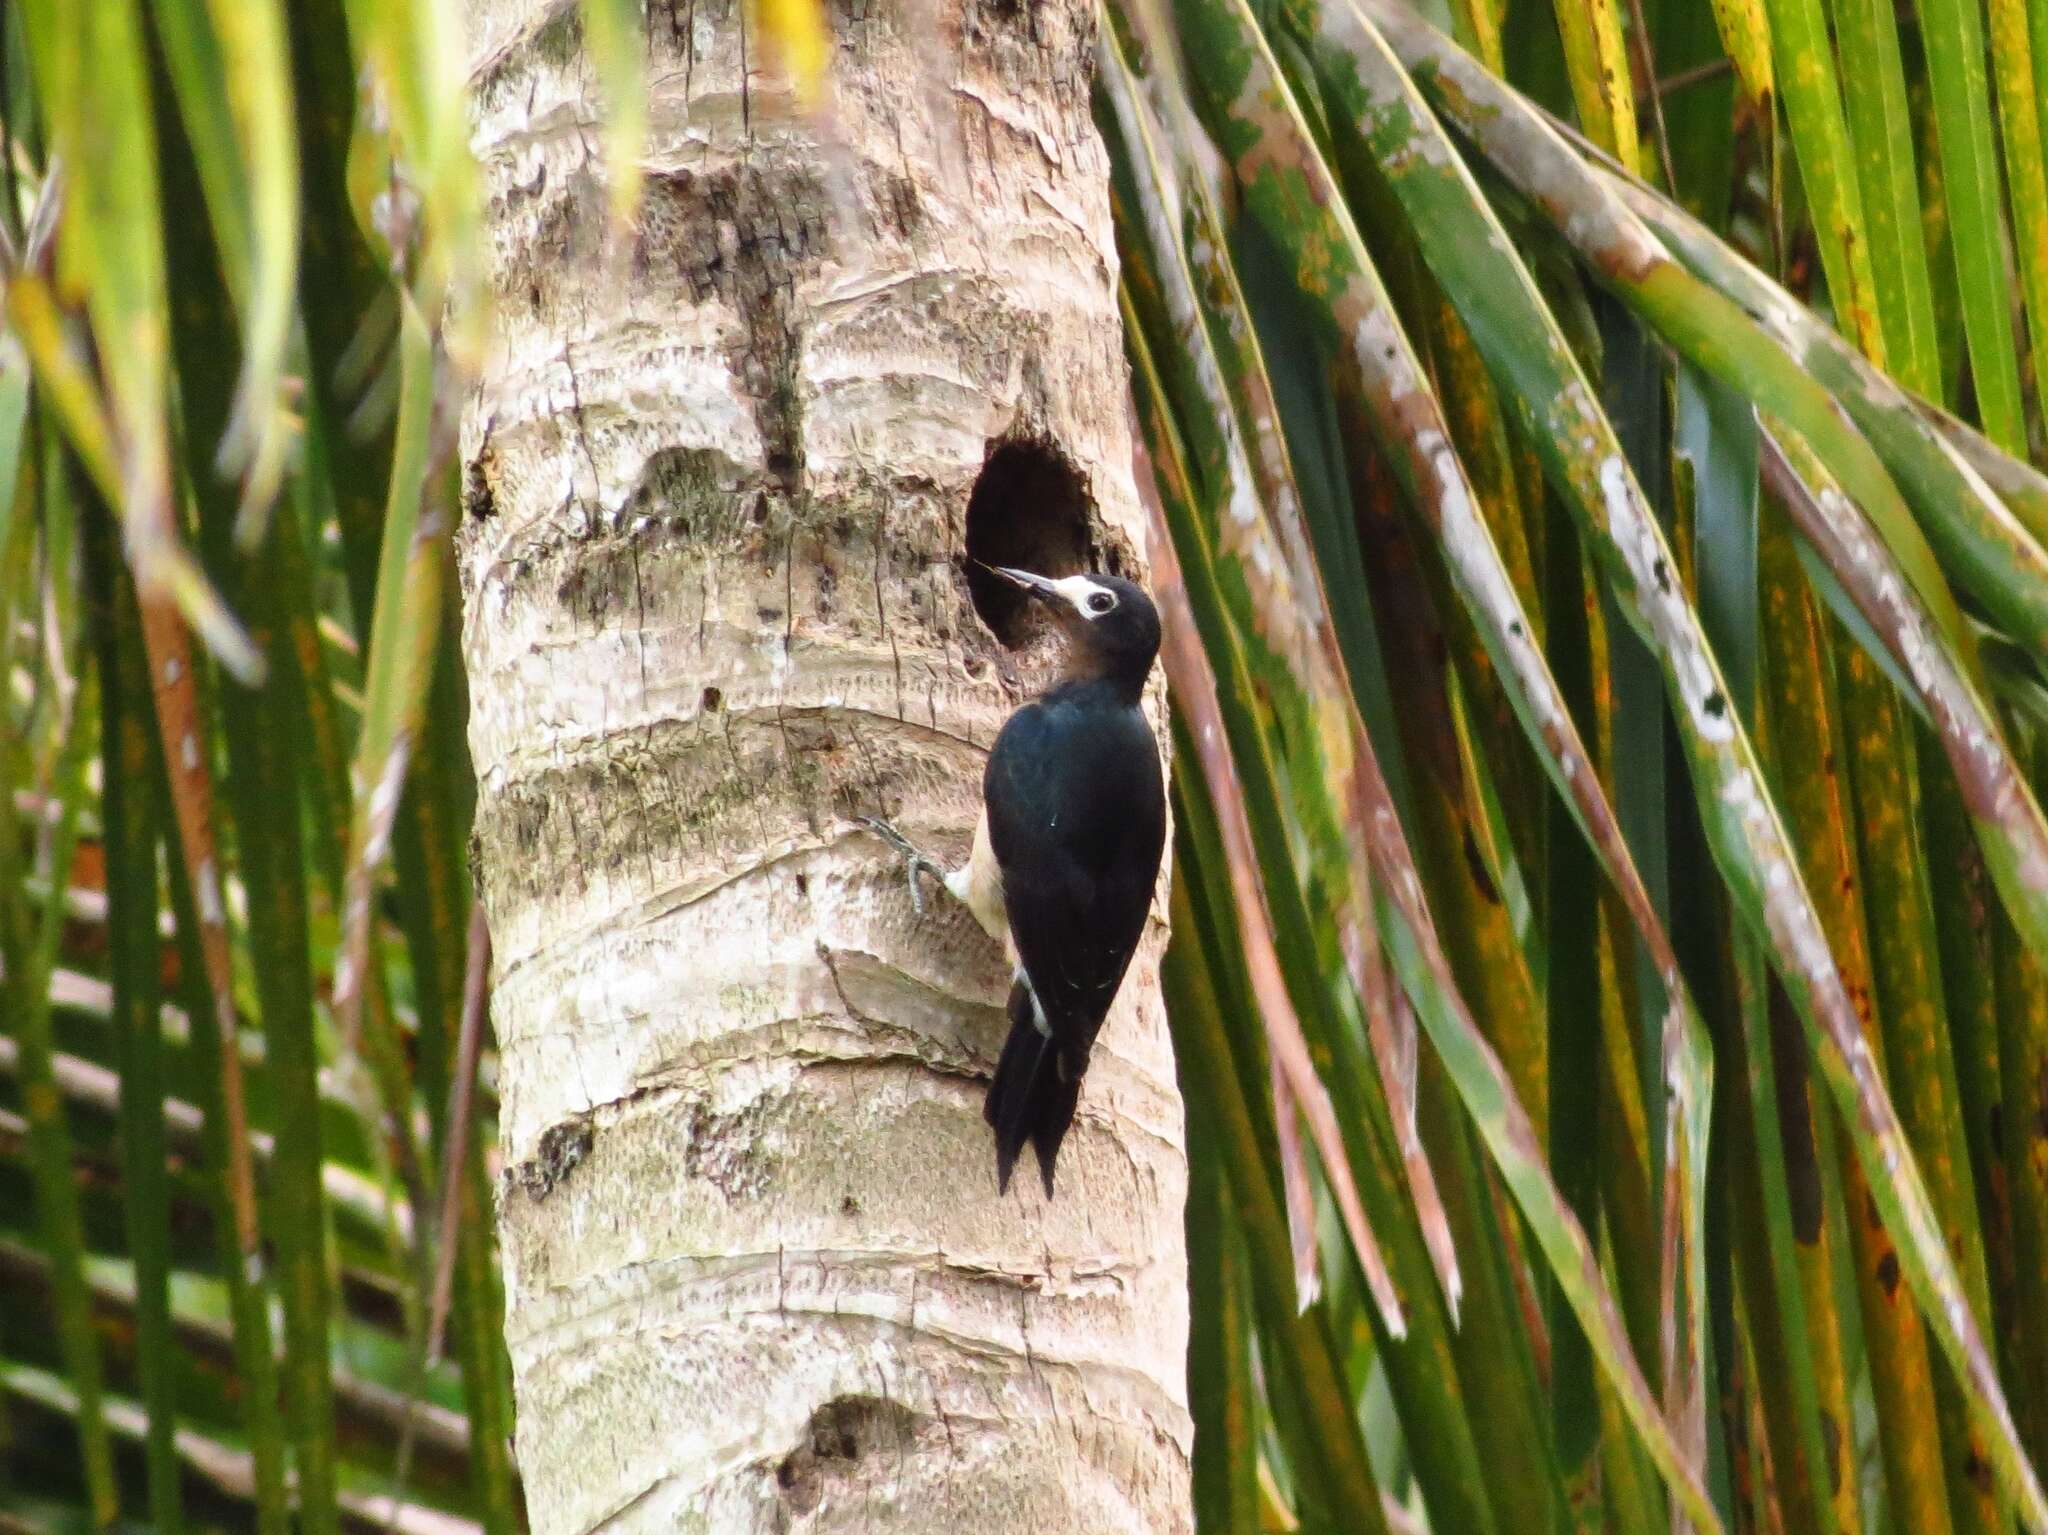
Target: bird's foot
point(915, 859)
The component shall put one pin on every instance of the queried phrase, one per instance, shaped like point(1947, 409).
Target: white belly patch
point(979, 886)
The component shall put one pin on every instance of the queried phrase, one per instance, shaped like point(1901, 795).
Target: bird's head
point(1112, 629)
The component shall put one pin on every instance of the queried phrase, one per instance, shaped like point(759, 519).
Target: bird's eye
point(1100, 602)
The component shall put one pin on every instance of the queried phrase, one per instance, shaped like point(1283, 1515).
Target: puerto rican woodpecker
point(1073, 824)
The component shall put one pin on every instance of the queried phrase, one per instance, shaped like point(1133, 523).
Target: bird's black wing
point(1077, 821)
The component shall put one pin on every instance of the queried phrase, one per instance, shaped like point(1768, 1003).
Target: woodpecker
point(1073, 823)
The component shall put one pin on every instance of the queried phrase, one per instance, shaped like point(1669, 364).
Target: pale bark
point(758, 1276)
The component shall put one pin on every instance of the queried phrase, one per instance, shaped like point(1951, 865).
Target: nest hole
point(1030, 510)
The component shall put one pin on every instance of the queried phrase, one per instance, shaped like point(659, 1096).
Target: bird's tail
point(1033, 1094)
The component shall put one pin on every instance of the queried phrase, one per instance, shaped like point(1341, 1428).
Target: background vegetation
point(1594, 457)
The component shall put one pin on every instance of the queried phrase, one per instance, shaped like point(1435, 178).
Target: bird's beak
point(1030, 581)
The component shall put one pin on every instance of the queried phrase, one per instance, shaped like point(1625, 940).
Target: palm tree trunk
point(720, 480)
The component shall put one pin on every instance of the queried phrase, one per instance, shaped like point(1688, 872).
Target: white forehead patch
point(1076, 592)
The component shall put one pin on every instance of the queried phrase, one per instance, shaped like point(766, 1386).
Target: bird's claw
point(914, 857)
